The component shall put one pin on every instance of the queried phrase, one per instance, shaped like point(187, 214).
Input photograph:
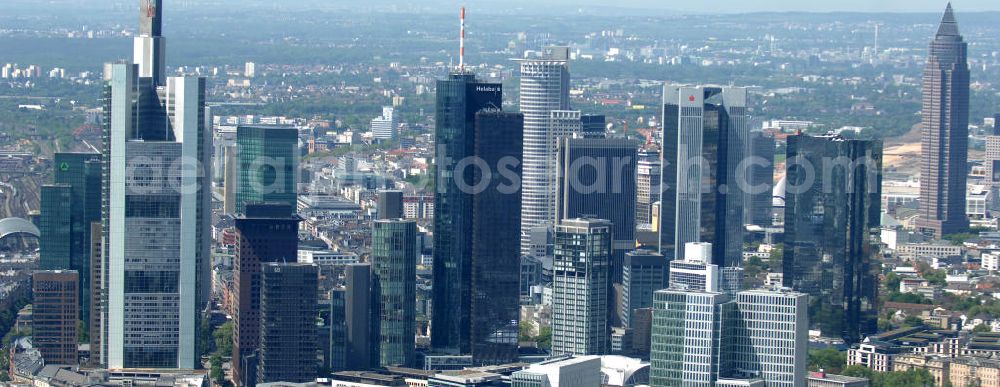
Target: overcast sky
point(717, 6)
point(541, 6)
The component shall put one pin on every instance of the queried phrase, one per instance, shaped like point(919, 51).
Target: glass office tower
point(496, 258)
point(459, 98)
point(394, 263)
point(832, 217)
point(268, 159)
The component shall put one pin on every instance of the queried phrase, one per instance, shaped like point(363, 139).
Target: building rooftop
point(834, 378)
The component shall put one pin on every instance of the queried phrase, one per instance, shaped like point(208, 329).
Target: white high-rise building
point(700, 338)
point(772, 336)
point(250, 70)
point(156, 235)
point(647, 190)
point(384, 126)
point(544, 88)
point(695, 272)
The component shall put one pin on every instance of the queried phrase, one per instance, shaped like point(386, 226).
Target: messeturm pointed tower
point(945, 132)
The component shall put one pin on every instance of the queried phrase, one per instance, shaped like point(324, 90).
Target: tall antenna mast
point(876, 40)
point(461, 43)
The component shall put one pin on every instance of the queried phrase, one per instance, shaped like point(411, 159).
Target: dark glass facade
point(288, 311)
point(593, 125)
point(264, 233)
point(597, 180)
point(360, 317)
point(704, 135)
point(643, 273)
point(394, 263)
point(67, 210)
point(832, 216)
point(496, 209)
point(389, 205)
point(55, 226)
point(268, 165)
point(459, 98)
point(759, 199)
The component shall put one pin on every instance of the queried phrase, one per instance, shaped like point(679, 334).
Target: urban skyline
point(519, 237)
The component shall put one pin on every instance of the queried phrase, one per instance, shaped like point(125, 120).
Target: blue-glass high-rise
point(832, 217)
point(459, 98)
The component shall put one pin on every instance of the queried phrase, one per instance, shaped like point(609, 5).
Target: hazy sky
point(715, 6)
point(541, 6)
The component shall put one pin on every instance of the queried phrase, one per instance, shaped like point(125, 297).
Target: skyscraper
point(992, 158)
point(362, 345)
point(389, 205)
point(761, 180)
point(704, 133)
point(264, 233)
point(55, 307)
point(459, 98)
point(580, 287)
point(702, 337)
point(332, 329)
point(394, 262)
point(230, 182)
point(149, 47)
point(288, 311)
point(155, 216)
point(944, 132)
point(544, 88)
point(695, 272)
point(68, 208)
point(687, 337)
point(384, 126)
point(268, 159)
point(56, 227)
point(832, 219)
point(97, 299)
point(771, 336)
point(496, 257)
point(596, 178)
point(647, 190)
point(643, 273)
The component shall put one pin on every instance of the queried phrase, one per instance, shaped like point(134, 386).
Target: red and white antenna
point(461, 43)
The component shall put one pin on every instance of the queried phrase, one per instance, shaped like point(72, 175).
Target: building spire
point(149, 47)
point(151, 18)
point(461, 43)
point(948, 27)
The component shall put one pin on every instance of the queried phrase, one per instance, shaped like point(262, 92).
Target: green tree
point(892, 281)
point(777, 256)
point(913, 321)
point(858, 371)
point(544, 337)
point(910, 298)
point(827, 359)
point(224, 339)
point(914, 378)
point(216, 370)
point(205, 339)
point(526, 330)
point(83, 335)
point(981, 328)
point(958, 239)
point(936, 277)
